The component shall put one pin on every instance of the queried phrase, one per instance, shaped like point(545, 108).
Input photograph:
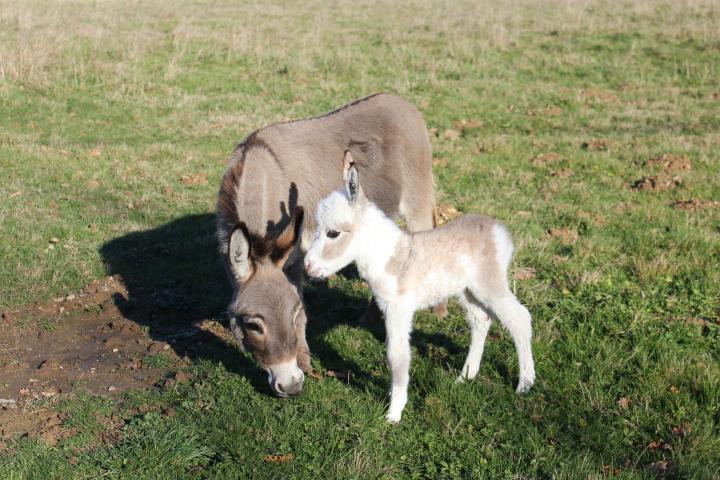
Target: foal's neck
point(380, 236)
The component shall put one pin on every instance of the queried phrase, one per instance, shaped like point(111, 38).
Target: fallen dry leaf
point(15, 194)
point(623, 403)
point(682, 430)
point(95, 152)
point(315, 375)
point(566, 235)
point(525, 273)
point(445, 212)
point(674, 389)
point(278, 458)
point(338, 375)
point(609, 471)
point(194, 179)
point(433, 131)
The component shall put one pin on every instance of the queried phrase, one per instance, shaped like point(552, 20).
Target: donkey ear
point(239, 253)
point(289, 237)
point(348, 161)
point(352, 179)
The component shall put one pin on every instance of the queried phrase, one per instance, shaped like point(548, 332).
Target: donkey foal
point(467, 259)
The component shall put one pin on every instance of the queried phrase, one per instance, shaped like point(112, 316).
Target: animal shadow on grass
point(175, 280)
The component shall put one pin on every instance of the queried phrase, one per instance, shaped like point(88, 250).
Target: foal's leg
point(479, 322)
point(516, 318)
point(398, 323)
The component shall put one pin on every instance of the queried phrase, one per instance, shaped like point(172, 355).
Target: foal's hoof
point(393, 418)
point(523, 387)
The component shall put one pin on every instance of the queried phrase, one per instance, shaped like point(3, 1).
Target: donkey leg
point(516, 318)
point(398, 325)
point(479, 322)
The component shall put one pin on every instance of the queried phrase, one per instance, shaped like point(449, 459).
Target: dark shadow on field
point(175, 281)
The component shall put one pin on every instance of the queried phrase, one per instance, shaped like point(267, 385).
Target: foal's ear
point(239, 253)
point(289, 237)
point(351, 177)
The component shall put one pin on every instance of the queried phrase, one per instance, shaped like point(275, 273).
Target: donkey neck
point(380, 236)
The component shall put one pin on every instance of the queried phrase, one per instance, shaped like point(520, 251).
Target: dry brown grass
point(40, 37)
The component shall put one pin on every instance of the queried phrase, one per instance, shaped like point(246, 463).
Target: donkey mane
point(227, 197)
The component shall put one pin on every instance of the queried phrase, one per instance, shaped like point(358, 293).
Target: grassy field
point(592, 129)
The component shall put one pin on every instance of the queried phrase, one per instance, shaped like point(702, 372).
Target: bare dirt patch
point(39, 422)
point(597, 145)
point(83, 340)
point(565, 235)
point(194, 179)
point(598, 95)
point(544, 158)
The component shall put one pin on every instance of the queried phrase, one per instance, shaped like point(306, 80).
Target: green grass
point(105, 107)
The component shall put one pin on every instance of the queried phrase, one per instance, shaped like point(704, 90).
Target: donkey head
point(266, 311)
point(338, 218)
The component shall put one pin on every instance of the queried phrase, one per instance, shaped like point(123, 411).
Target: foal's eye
point(332, 233)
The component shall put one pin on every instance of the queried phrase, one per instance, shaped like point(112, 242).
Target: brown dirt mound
point(661, 181)
point(670, 162)
point(695, 205)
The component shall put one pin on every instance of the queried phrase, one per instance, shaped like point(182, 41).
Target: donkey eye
point(253, 327)
point(332, 233)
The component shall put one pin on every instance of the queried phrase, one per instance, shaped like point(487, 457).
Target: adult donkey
point(266, 214)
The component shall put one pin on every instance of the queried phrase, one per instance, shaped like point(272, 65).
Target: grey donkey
point(266, 214)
